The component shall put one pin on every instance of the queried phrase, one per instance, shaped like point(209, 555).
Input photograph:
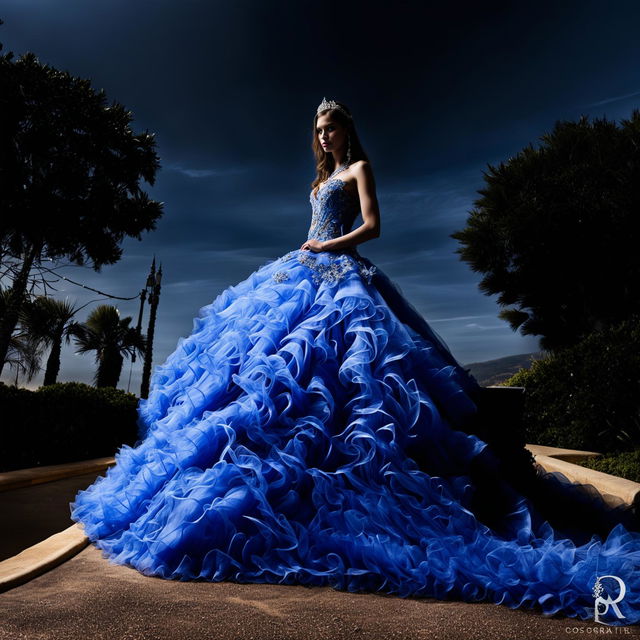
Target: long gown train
point(276, 446)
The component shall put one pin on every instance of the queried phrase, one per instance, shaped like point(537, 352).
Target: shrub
point(586, 396)
point(64, 422)
point(624, 465)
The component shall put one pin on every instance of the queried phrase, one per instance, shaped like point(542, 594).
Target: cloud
point(613, 99)
point(206, 173)
point(480, 327)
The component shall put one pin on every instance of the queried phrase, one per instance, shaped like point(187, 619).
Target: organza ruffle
point(275, 446)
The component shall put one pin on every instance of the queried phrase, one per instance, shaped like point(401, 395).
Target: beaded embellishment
point(332, 271)
point(280, 276)
point(329, 209)
point(332, 213)
point(337, 269)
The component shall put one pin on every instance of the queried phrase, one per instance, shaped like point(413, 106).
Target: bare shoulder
point(362, 170)
point(360, 166)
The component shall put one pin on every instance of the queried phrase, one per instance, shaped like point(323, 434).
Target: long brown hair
point(325, 164)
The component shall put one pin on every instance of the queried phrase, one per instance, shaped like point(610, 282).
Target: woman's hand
point(313, 245)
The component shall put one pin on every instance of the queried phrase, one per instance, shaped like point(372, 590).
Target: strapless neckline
point(325, 183)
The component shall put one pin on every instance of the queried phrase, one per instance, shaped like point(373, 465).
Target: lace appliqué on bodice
point(332, 214)
point(332, 210)
point(331, 271)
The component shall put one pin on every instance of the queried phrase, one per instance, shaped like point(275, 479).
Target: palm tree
point(24, 354)
point(49, 322)
point(111, 338)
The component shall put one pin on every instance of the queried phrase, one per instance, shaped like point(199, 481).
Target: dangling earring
point(348, 150)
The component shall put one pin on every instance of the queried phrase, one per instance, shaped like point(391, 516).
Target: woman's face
point(331, 134)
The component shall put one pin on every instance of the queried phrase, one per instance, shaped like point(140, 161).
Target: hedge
point(624, 465)
point(586, 396)
point(64, 422)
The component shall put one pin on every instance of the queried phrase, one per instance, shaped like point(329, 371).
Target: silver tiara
point(331, 104)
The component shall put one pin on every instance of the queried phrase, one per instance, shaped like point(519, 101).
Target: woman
point(279, 442)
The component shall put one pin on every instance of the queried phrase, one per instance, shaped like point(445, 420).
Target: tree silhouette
point(111, 338)
point(49, 321)
point(70, 168)
point(24, 353)
point(554, 231)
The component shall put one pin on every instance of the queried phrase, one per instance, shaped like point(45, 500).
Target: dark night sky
point(438, 90)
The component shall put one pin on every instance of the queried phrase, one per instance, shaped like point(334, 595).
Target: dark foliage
point(64, 422)
point(554, 231)
point(70, 169)
point(586, 396)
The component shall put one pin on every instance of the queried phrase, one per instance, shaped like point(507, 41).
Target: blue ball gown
point(275, 447)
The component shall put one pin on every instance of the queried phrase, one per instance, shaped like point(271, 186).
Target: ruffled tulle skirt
point(276, 447)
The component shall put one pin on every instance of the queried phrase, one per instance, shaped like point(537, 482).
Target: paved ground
point(88, 597)
point(31, 514)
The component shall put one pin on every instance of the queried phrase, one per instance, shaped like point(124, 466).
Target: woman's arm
point(370, 228)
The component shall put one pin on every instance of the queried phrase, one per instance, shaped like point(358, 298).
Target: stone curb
point(37, 475)
point(612, 488)
point(570, 455)
point(41, 557)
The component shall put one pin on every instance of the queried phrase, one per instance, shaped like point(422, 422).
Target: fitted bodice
point(333, 210)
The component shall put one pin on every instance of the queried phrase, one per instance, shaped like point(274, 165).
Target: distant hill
point(498, 370)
